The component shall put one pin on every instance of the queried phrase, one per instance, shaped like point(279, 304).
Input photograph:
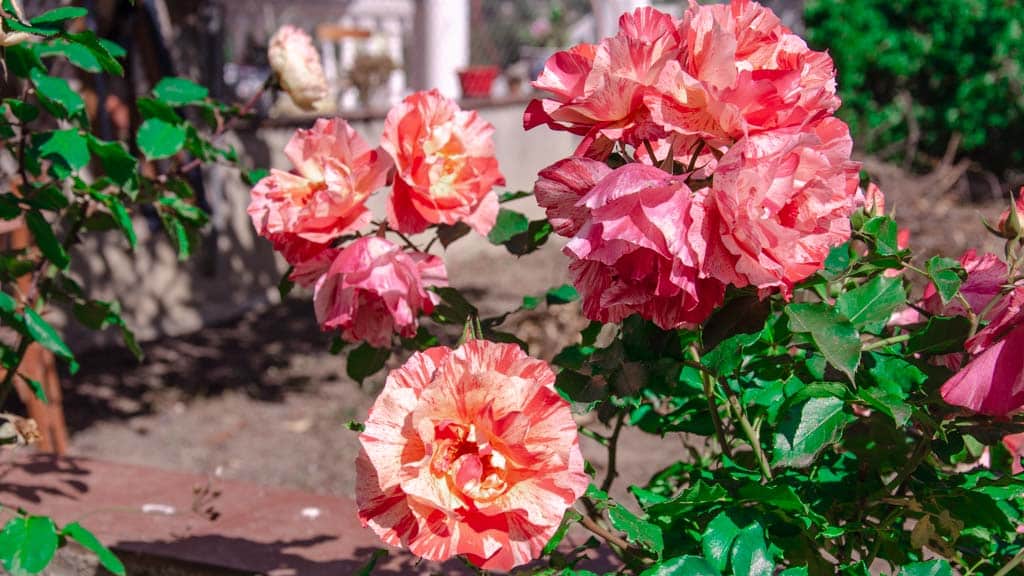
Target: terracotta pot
point(476, 81)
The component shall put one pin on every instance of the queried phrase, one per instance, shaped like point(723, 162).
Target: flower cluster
point(736, 171)
point(441, 160)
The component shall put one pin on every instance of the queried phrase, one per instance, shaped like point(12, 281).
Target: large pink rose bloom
point(296, 63)
point(780, 201)
point(599, 90)
point(372, 289)
point(640, 250)
point(741, 72)
point(992, 382)
point(446, 169)
point(469, 451)
point(335, 172)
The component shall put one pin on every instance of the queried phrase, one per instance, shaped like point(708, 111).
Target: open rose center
point(468, 462)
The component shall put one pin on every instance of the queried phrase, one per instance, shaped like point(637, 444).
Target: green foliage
point(69, 182)
point(925, 70)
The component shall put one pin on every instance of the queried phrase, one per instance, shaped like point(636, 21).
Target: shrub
point(912, 73)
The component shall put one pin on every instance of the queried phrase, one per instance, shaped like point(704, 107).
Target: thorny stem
point(613, 539)
point(708, 380)
point(920, 452)
point(613, 450)
point(752, 436)
point(650, 152)
point(696, 155)
point(885, 342)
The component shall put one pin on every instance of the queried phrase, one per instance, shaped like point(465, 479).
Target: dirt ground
point(262, 399)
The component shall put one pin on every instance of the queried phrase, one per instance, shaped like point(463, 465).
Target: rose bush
point(749, 298)
point(747, 292)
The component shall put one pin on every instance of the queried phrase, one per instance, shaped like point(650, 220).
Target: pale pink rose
point(469, 451)
point(1018, 207)
point(598, 90)
point(780, 201)
point(742, 72)
point(1014, 444)
point(373, 289)
point(986, 276)
point(992, 382)
point(641, 250)
point(335, 172)
point(297, 64)
point(872, 201)
point(446, 169)
point(560, 187)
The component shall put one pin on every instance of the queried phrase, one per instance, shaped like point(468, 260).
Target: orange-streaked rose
point(469, 451)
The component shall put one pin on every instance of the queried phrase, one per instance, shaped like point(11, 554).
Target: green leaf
point(46, 240)
point(365, 360)
point(117, 163)
point(750, 554)
point(699, 494)
point(77, 54)
point(727, 356)
point(508, 224)
point(682, 566)
point(189, 212)
point(563, 294)
point(153, 108)
point(873, 301)
point(807, 430)
point(46, 336)
point(27, 544)
point(834, 337)
point(576, 387)
point(940, 335)
point(448, 234)
point(536, 235)
point(717, 540)
point(7, 303)
point(367, 568)
point(37, 389)
point(252, 177)
point(68, 146)
point(9, 208)
point(58, 15)
point(571, 517)
point(930, 568)
point(178, 234)
point(21, 60)
point(454, 308)
point(76, 532)
point(885, 233)
point(180, 91)
point(637, 530)
point(946, 275)
point(159, 139)
point(23, 111)
point(100, 51)
point(56, 95)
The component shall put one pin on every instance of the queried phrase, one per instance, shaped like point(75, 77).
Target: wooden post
point(39, 365)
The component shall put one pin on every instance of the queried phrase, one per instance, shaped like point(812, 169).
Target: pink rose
point(469, 451)
point(872, 201)
point(560, 187)
point(335, 172)
point(780, 201)
point(297, 65)
point(742, 72)
point(1014, 444)
point(992, 382)
point(373, 289)
point(598, 91)
point(1004, 218)
point(446, 169)
point(640, 250)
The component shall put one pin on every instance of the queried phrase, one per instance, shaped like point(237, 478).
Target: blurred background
point(240, 383)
